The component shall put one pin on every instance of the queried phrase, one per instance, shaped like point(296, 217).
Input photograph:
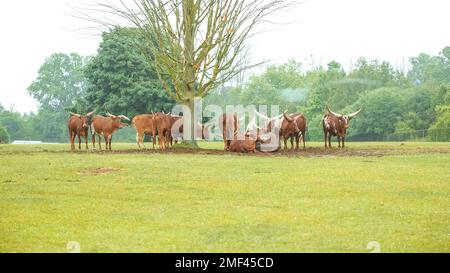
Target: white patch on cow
point(346, 120)
point(326, 122)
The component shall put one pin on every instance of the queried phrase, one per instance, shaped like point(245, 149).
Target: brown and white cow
point(285, 125)
point(106, 127)
point(335, 124)
point(301, 124)
point(78, 125)
point(229, 125)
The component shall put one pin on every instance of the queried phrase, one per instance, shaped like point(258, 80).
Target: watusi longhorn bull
point(78, 125)
point(106, 127)
point(335, 124)
point(286, 126)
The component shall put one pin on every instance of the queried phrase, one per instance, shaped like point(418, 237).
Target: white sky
point(341, 30)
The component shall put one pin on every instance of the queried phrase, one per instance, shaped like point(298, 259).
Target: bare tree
point(193, 45)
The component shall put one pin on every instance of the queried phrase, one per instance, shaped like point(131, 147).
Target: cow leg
point(339, 141)
point(106, 141)
point(72, 141)
point(110, 140)
point(100, 142)
point(93, 140)
point(303, 139)
point(225, 143)
point(343, 142)
point(79, 142)
point(292, 143)
point(326, 139)
point(297, 140)
point(86, 140)
point(285, 143)
point(138, 140)
point(329, 140)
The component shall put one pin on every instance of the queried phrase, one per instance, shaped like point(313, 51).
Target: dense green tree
point(14, 123)
point(383, 108)
point(121, 80)
point(279, 85)
point(431, 69)
point(4, 135)
point(59, 84)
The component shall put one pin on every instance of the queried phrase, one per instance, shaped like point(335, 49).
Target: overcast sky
point(344, 30)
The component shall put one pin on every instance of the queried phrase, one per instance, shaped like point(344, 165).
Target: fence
point(436, 135)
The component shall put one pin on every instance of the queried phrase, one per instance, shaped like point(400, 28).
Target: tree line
point(119, 79)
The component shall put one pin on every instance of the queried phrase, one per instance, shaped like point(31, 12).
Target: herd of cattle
point(168, 128)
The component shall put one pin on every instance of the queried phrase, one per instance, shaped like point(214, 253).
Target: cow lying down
point(250, 141)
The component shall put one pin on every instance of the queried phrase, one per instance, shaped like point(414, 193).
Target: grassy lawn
point(150, 202)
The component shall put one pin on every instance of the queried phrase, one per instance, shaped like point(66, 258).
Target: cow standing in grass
point(106, 127)
point(284, 125)
point(301, 124)
point(78, 125)
point(144, 126)
point(161, 128)
point(335, 124)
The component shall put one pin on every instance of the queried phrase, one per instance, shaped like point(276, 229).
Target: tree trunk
point(190, 141)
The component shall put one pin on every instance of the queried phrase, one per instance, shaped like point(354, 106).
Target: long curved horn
point(108, 114)
point(250, 125)
point(90, 113)
point(261, 115)
point(267, 118)
point(287, 117)
point(354, 114)
point(333, 113)
point(76, 115)
point(123, 117)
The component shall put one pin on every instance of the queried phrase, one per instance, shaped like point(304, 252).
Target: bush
point(440, 130)
point(4, 136)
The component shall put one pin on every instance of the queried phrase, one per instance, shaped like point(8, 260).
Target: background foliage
point(398, 105)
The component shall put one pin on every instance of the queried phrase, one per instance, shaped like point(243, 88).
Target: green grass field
point(397, 195)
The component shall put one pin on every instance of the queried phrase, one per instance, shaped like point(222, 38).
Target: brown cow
point(144, 126)
point(246, 142)
point(287, 128)
point(301, 124)
point(174, 133)
point(335, 124)
point(106, 126)
point(243, 143)
point(78, 125)
point(161, 128)
point(229, 124)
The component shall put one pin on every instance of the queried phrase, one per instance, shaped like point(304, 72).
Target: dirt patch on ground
point(308, 152)
point(99, 171)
